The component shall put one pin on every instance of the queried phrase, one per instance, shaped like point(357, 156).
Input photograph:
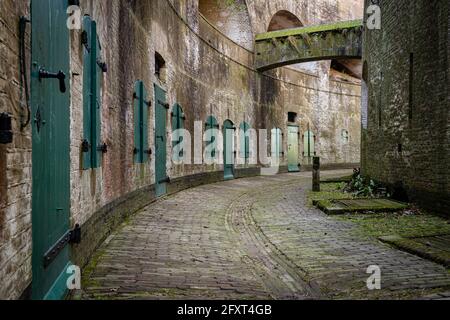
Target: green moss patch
point(311, 29)
point(329, 191)
point(434, 248)
point(404, 224)
point(358, 205)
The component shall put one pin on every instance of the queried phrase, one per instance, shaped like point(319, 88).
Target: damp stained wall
point(406, 139)
point(207, 74)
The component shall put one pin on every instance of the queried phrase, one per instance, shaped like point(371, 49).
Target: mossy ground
point(329, 191)
point(406, 223)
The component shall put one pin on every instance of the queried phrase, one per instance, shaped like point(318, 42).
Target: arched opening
point(231, 18)
point(160, 67)
point(284, 19)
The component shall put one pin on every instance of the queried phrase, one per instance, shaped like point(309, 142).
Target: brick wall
point(15, 160)
point(407, 138)
point(206, 73)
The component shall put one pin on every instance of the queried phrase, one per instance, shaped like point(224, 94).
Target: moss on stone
point(404, 225)
point(329, 191)
point(311, 29)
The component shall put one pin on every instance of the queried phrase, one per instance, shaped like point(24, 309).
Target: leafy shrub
point(361, 186)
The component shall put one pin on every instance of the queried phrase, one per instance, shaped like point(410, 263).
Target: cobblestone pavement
point(253, 238)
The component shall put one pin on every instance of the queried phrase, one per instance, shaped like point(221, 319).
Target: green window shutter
point(177, 124)
point(277, 143)
point(92, 83)
point(211, 124)
point(96, 101)
point(245, 141)
point(309, 144)
point(280, 143)
point(141, 154)
point(87, 161)
point(137, 122)
point(144, 121)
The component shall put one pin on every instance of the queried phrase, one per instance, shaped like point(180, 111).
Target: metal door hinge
point(164, 104)
point(165, 180)
point(71, 236)
point(103, 66)
point(6, 135)
point(85, 146)
point(103, 148)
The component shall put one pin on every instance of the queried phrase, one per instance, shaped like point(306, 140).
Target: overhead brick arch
point(284, 19)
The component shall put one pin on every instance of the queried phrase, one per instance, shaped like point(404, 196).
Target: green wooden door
point(50, 152)
point(228, 150)
point(277, 145)
point(293, 132)
point(160, 141)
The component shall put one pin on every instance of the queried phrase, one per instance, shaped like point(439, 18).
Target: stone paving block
point(236, 240)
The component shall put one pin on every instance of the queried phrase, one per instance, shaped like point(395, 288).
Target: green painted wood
point(96, 97)
point(177, 124)
point(211, 128)
point(228, 149)
point(50, 146)
point(160, 141)
point(92, 83)
point(87, 120)
point(140, 123)
point(144, 119)
point(137, 121)
point(308, 144)
point(277, 143)
point(244, 139)
point(293, 149)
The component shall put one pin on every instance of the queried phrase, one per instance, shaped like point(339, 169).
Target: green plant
point(361, 186)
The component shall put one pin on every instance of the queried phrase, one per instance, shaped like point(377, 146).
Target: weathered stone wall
point(207, 73)
point(406, 139)
point(15, 159)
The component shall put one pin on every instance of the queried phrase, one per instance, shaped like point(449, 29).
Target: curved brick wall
point(206, 73)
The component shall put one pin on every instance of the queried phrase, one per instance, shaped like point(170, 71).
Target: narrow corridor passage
point(253, 238)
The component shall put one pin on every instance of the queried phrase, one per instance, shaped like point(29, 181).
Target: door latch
point(61, 76)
